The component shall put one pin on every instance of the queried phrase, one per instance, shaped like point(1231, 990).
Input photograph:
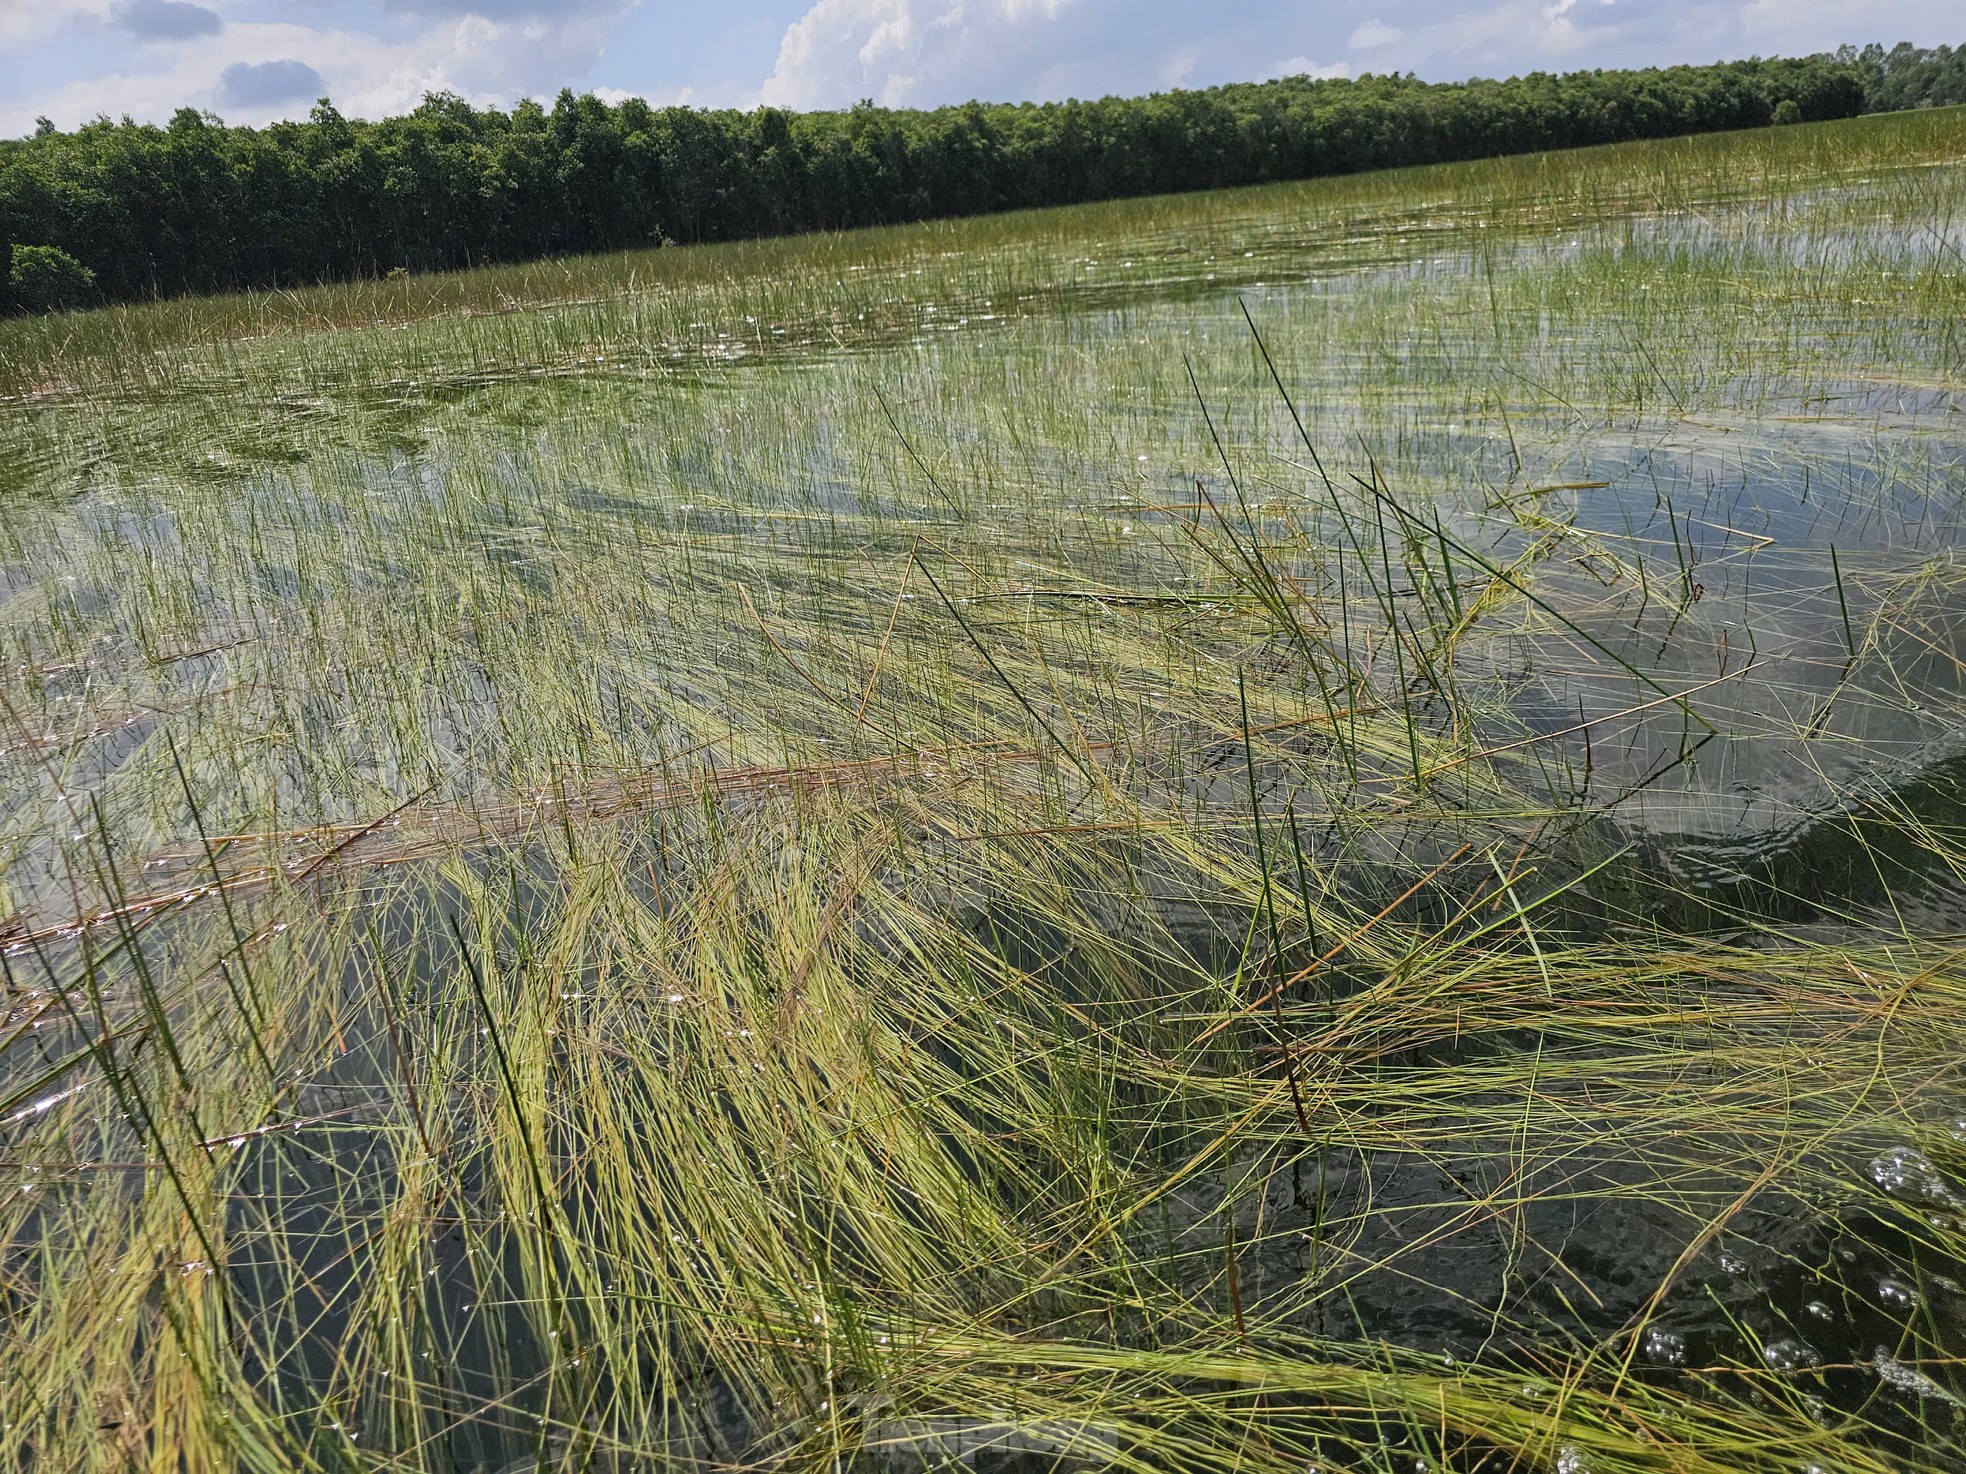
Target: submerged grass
point(1315, 827)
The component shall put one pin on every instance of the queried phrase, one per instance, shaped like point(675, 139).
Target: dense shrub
point(198, 206)
point(45, 279)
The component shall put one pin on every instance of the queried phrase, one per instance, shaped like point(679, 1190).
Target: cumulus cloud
point(166, 20)
point(24, 22)
point(264, 83)
point(496, 10)
point(369, 75)
point(1303, 66)
point(901, 52)
point(929, 52)
point(1373, 33)
point(1519, 35)
point(1791, 26)
point(1180, 65)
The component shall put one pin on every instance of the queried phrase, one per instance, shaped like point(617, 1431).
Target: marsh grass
point(1307, 827)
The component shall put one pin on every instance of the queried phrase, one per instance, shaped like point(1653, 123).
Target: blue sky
point(254, 60)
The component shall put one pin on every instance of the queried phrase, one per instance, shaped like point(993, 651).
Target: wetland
point(1318, 827)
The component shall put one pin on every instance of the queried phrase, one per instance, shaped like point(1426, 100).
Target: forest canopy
point(122, 210)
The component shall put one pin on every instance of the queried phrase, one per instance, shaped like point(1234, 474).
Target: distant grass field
point(1310, 828)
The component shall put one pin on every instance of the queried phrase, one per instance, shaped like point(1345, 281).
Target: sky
point(252, 61)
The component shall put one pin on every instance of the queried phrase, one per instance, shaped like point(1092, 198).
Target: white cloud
point(1371, 33)
point(1795, 26)
point(902, 52)
point(486, 61)
point(1176, 70)
point(23, 22)
point(538, 10)
point(1303, 66)
point(1512, 36)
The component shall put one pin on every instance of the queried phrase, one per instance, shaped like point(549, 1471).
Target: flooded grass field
point(1308, 829)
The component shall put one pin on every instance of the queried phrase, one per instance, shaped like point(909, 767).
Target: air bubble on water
point(1907, 1174)
point(1789, 1355)
point(1665, 1347)
point(1896, 1293)
point(1570, 1460)
point(1895, 1374)
point(1820, 1310)
point(1733, 1264)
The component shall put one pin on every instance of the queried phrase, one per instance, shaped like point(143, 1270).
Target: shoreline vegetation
point(137, 212)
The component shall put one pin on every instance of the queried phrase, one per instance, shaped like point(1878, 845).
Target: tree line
point(120, 211)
